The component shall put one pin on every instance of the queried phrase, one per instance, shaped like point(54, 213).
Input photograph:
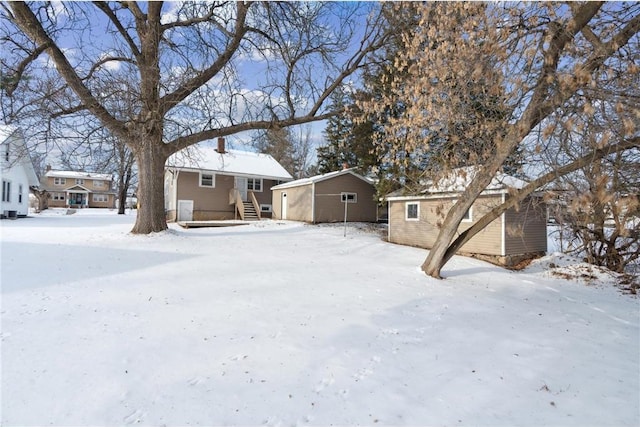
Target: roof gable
point(14, 137)
point(232, 162)
point(322, 177)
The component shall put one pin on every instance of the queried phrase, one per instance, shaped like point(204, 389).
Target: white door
point(241, 186)
point(284, 205)
point(185, 210)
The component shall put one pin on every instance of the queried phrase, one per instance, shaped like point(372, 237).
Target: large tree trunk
point(151, 218)
point(436, 258)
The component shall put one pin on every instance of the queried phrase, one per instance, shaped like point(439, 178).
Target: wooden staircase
point(250, 213)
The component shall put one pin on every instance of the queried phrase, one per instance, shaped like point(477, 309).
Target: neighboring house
point(518, 234)
point(205, 184)
point(71, 189)
point(18, 174)
point(322, 198)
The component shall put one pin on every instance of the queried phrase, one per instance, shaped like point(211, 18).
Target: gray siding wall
point(424, 232)
point(208, 203)
point(330, 208)
point(526, 228)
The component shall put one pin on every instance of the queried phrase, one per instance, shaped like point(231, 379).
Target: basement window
point(412, 211)
point(207, 180)
point(349, 197)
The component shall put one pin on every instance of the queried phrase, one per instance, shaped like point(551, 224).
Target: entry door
point(185, 210)
point(241, 186)
point(284, 205)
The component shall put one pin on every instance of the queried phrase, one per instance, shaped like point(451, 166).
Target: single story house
point(519, 233)
point(76, 189)
point(326, 198)
point(17, 171)
point(202, 184)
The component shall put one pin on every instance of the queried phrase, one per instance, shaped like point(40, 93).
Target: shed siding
point(424, 232)
point(526, 228)
point(298, 203)
point(330, 208)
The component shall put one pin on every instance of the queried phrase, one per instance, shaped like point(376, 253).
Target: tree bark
point(151, 158)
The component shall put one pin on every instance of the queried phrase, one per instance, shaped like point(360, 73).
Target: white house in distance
point(17, 171)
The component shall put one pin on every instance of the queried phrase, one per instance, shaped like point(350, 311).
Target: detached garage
point(322, 198)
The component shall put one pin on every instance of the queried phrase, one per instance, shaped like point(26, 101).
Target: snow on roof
point(459, 179)
point(232, 162)
point(75, 174)
point(322, 177)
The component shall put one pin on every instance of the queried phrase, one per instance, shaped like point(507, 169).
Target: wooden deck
point(201, 224)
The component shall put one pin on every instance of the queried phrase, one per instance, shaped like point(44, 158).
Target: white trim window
point(20, 193)
point(6, 191)
point(412, 211)
point(265, 208)
point(79, 181)
point(58, 197)
point(98, 183)
point(100, 198)
point(207, 180)
point(349, 197)
point(254, 184)
point(468, 215)
point(59, 181)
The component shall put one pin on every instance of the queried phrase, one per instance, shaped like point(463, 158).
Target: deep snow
point(281, 323)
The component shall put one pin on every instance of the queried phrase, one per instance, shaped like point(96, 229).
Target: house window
point(6, 153)
point(412, 211)
point(59, 181)
point(349, 197)
point(58, 197)
point(467, 216)
point(100, 198)
point(6, 191)
point(98, 184)
point(79, 181)
point(20, 193)
point(254, 184)
point(265, 208)
point(207, 180)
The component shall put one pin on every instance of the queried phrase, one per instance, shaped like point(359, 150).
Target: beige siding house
point(517, 234)
point(322, 198)
point(71, 189)
point(207, 184)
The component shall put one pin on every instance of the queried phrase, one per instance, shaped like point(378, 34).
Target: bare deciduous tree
point(197, 71)
point(486, 77)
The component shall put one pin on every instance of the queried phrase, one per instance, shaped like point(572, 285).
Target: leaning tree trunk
point(151, 158)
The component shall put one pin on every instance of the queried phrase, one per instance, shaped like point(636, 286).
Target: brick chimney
point(221, 147)
point(345, 166)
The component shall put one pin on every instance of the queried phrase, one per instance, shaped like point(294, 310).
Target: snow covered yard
point(281, 323)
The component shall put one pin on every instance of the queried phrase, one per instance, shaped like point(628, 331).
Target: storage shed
point(322, 198)
point(519, 233)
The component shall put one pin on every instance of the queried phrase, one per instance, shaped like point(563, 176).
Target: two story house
point(71, 189)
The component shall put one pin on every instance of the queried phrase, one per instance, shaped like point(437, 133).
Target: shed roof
point(322, 177)
point(232, 162)
point(457, 181)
